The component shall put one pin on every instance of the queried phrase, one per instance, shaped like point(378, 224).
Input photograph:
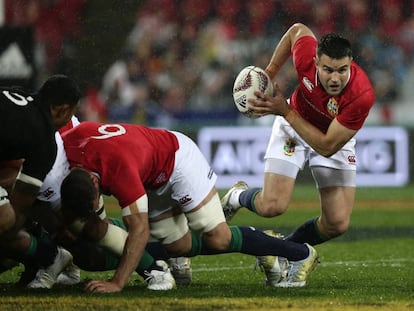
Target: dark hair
point(77, 194)
point(59, 90)
point(334, 46)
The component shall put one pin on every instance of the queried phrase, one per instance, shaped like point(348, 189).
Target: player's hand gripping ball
point(249, 80)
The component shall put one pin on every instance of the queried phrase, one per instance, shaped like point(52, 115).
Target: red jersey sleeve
point(304, 50)
point(314, 104)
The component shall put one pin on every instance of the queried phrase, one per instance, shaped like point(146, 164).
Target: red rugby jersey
point(314, 104)
point(128, 158)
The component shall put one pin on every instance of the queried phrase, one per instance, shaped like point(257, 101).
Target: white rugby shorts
point(191, 180)
point(286, 145)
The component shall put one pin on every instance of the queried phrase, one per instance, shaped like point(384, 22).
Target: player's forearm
point(283, 49)
point(133, 250)
point(280, 55)
point(309, 133)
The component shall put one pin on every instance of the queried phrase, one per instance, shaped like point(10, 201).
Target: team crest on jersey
point(289, 147)
point(332, 107)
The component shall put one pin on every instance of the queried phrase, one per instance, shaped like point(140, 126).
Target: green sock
point(146, 262)
point(112, 261)
point(247, 197)
point(31, 250)
point(235, 245)
point(236, 240)
point(196, 245)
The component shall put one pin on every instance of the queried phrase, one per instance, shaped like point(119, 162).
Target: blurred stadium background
point(172, 63)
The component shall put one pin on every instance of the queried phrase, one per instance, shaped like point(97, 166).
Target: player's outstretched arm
point(325, 144)
point(283, 49)
point(138, 234)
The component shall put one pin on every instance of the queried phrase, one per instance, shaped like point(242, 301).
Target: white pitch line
point(383, 262)
point(397, 262)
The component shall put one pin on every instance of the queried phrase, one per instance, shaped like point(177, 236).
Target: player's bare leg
point(336, 207)
point(271, 200)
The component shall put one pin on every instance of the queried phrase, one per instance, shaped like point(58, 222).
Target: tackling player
point(27, 152)
point(100, 256)
point(316, 125)
point(136, 164)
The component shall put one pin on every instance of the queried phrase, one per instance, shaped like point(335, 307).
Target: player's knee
point(342, 227)
point(217, 244)
point(335, 229)
point(274, 207)
point(179, 247)
point(219, 238)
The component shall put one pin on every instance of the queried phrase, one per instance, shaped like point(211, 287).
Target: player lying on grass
point(134, 163)
point(93, 256)
point(106, 237)
point(101, 255)
point(28, 123)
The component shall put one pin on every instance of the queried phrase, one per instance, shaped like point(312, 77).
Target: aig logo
point(237, 153)
point(383, 156)
point(238, 157)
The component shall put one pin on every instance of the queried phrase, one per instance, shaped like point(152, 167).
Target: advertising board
point(236, 153)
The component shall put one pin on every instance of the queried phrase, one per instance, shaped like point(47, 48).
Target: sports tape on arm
point(114, 239)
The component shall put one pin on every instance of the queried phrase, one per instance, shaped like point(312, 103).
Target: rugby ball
point(249, 80)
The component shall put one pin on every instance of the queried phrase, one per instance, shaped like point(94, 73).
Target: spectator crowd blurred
point(57, 24)
point(181, 57)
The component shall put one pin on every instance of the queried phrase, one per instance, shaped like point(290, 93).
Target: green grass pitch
point(371, 267)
